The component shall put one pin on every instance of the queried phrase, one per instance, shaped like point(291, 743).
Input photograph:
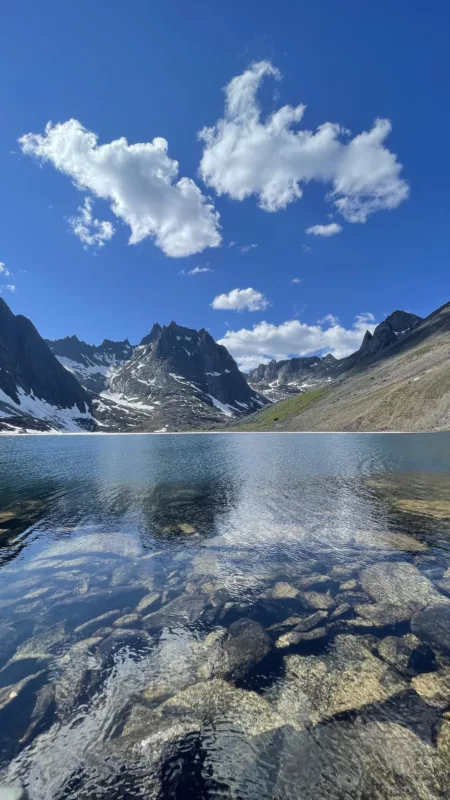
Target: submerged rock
point(219, 704)
point(98, 622)
point(282, 590)
point(399, 584)
point(317, 600)
point(45, 701)
point(357, 761)
point(246, 645)
point(434, 687)
point(296, 637)
point(147, 602)
point(128, 621)
point(350, 677)
point(75, 668)
point(407, 654)
point(389, 540)
point(437, 509)
point(184, 610)
point(432, 624)
point(43, 644)
point(381, 614)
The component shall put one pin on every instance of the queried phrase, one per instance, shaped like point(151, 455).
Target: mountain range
point(179, 379)
point(176, 379)
point(398, 380)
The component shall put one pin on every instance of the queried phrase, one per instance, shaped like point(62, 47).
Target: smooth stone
point(296, 637)
point(45, 700)
point(10, 693)
point(42, 645)
point(218, 703)
point(98, 622)
point(119, 544)
point(290, 622)
point(147, 602)
point(128, 621)
point(184, 610)
point(75, 667)
point(340, 571)
point(123, 639)
point(282, 590)
point(389, 540)
point(318, 600)
point(405, 653)
point(437, 509)
point(246, 645)
point(434, 687)
point(344, 608)
point(347, 679)
point(399, 584)
point(432, 624)
point(380, 614)
point(358, 760)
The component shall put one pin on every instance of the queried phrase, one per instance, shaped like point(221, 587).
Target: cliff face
point(33, 384)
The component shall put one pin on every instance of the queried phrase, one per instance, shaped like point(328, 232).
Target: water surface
point(225, 616)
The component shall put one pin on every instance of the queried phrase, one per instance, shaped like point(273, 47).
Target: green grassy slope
point(279, 414)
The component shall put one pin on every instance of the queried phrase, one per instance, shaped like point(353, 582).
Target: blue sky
point(157, 70)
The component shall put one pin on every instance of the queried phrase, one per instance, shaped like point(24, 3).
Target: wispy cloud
point(247, 247)
point(3, 271)
point(196, 271)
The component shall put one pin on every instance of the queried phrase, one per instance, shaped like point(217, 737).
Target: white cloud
point(197, 271)
point(10, 287)
point(3, 271)
point(294, 338)
point(296, 280)
point(247, 247)
point(241, 300)
point(245, 156)
point(140, 182)
point(91, 232)
point(324, 230)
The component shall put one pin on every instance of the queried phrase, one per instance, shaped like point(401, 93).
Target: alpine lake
point(231, 616)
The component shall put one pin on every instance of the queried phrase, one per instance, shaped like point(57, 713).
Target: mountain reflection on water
point(226, 616)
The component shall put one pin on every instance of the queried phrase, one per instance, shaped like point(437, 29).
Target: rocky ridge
point(280, 379)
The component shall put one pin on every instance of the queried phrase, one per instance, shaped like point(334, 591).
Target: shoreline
point(215, 433)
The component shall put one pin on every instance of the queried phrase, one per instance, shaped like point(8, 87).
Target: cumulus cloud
point(3, 271)
point(294, 338)
point(244, 155)
point(91, 232)
point(139, 180)
point(324, 230)
point(241, 300)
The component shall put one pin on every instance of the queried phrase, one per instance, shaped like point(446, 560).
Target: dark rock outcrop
point(29, 373)
point(91, 364)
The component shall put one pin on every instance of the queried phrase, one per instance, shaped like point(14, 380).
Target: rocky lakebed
point(288, 661)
